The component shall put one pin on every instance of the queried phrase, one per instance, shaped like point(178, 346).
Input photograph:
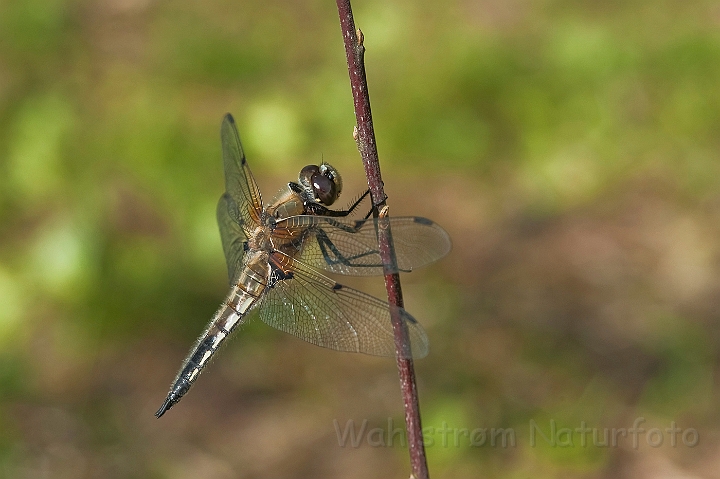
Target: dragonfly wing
point(303, 302)
point(239, 181)
point(233, 238)
point(350, 247)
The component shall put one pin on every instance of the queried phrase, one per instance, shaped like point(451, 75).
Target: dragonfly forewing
point(350, 247)
point(239, 181)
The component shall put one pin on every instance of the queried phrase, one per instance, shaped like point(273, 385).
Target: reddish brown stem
point(365, 137)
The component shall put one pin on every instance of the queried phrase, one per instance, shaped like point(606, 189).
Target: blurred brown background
point(570, 149)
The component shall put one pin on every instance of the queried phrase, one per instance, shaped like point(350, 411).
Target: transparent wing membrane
point(232, 236)
point(350, 247)
point(239, 181)
point(320, 311)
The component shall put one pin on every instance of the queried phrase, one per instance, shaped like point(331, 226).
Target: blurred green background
point(570, 149)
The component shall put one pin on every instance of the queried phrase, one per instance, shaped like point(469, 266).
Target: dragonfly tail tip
point(165, 406)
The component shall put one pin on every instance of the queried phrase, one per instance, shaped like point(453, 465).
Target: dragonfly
point(274, 253)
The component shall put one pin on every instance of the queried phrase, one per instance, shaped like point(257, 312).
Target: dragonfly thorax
point(260, 239)
point(285, 204)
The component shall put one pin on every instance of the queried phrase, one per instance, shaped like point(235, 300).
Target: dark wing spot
point(277, 275)
point(358, 224)
point(282, 275)
point(337, 286)
point(423, 221)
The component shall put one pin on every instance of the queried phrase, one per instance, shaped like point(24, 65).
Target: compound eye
point(325, 189)
point(307, 173)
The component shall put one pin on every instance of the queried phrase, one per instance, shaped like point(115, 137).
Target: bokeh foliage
point(570, 148)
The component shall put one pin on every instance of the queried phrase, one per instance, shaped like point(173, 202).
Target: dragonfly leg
point(321, 210)
point(333, 256)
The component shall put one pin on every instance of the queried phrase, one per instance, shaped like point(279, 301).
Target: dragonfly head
point(323, 183)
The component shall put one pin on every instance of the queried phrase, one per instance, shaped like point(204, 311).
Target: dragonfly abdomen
point(226, 319)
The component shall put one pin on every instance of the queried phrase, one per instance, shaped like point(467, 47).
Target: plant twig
point(365, 137)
